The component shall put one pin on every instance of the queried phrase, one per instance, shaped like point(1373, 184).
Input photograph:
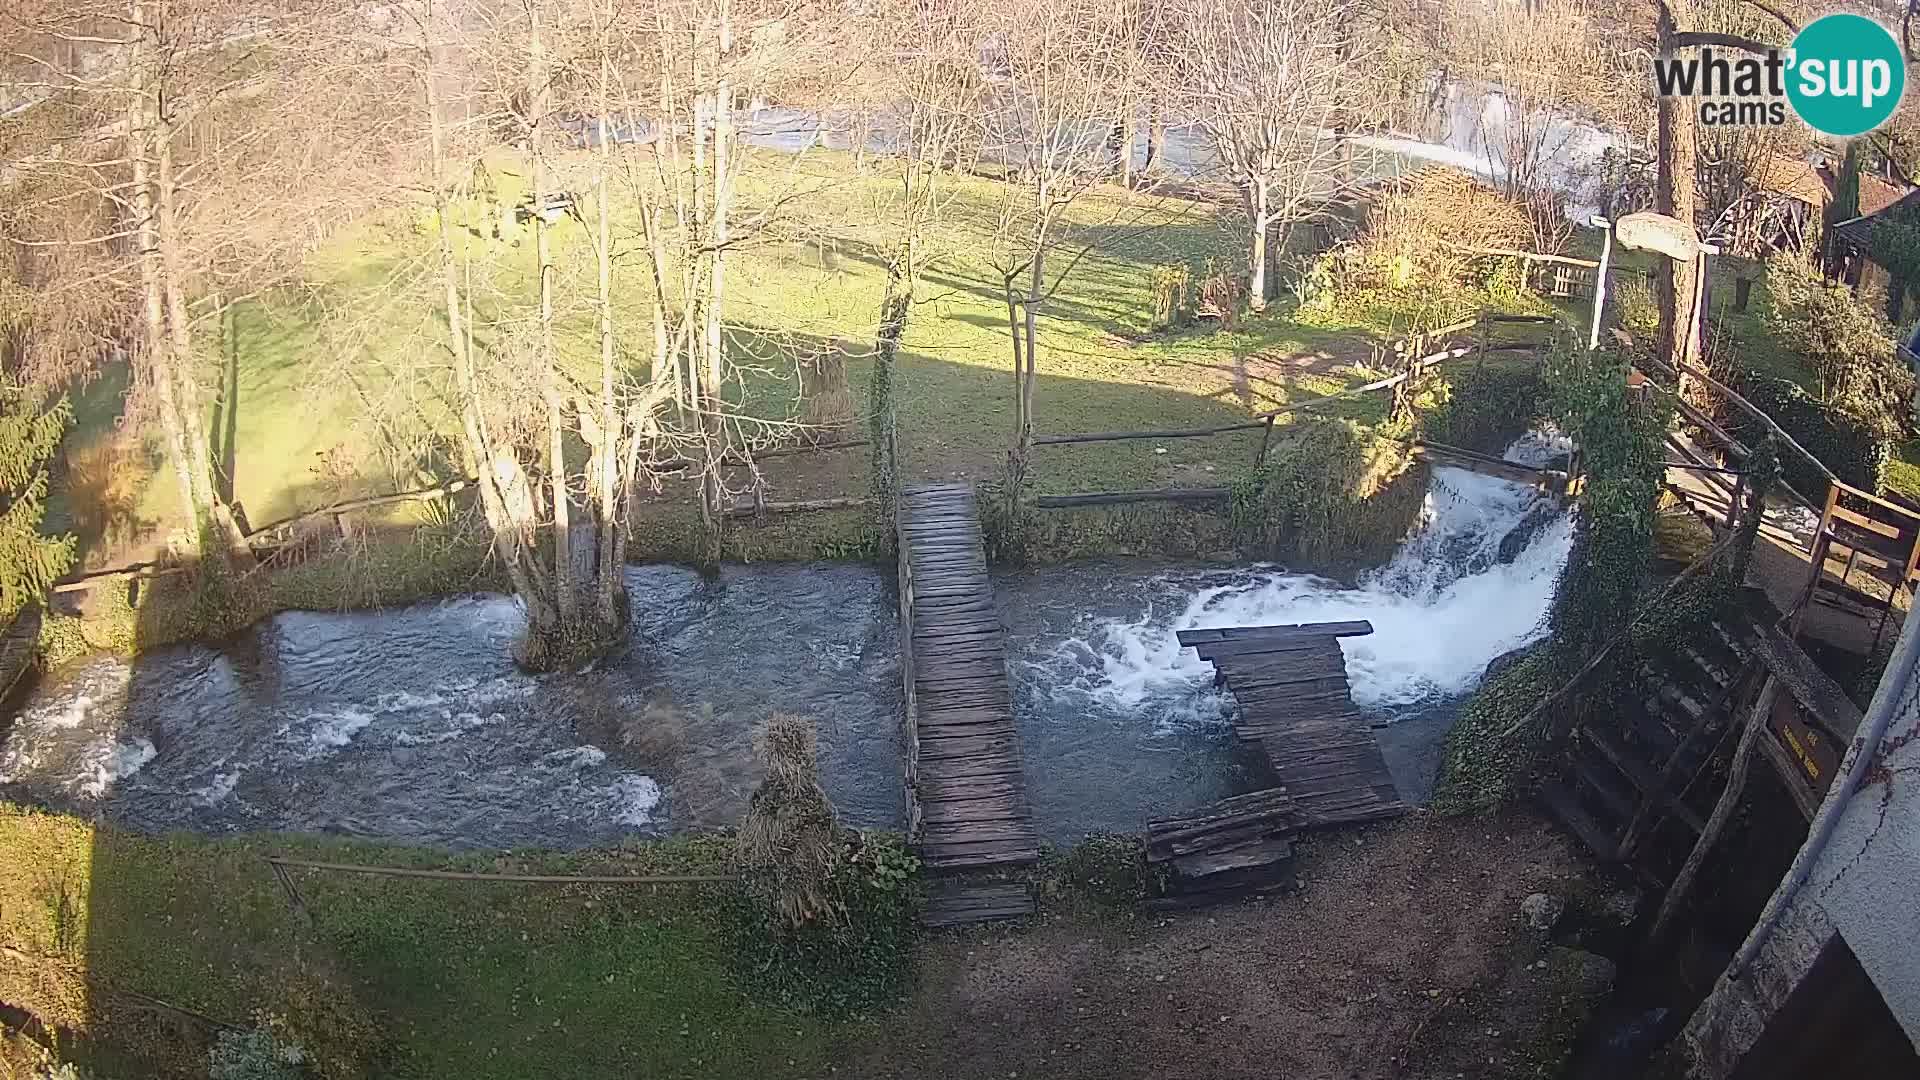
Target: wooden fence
point(1414, 357)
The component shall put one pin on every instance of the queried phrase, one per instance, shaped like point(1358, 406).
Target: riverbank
point(1399, 931)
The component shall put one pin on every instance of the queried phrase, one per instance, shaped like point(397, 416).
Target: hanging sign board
point(1658, 232)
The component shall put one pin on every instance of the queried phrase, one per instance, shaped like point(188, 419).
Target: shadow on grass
point(409, 978)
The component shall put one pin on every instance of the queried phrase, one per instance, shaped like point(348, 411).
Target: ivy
point(1489, 752)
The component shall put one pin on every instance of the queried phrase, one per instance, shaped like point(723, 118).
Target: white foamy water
point(1447, 604)
point(112, 763)
point(631, 799)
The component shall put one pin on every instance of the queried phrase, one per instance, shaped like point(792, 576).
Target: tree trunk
point(155, 354)
point(610, 589)
point(565, 590)
point(713, 373)
point(1156, 142)
point(1674, 195)
point(509, 539)
point(1257, 258)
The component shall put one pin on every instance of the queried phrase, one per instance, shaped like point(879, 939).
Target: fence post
point(1480, 361)
point(1266, 439)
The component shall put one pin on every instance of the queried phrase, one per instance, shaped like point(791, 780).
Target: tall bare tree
point(1064, 84)
point(1266, 82)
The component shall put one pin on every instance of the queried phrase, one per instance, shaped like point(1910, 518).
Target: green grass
point(439, 978)
point(351, 358)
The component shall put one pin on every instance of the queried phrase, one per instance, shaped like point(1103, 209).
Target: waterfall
point(1446, 605)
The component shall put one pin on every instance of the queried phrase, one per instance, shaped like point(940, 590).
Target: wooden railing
point(1416, 355)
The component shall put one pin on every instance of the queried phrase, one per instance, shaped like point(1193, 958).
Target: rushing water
point(413, 724)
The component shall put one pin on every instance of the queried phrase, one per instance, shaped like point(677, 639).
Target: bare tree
point(1267, 82)
point(211, 195)
point(1064, 85)
point(1546, 68)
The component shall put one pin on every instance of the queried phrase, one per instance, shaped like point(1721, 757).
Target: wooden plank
point(1278, 632)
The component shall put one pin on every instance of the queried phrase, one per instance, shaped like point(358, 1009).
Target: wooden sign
point(1811, 750)
point(1648, 231)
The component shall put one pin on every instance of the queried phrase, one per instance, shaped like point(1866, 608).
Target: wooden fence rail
point(1416, 361)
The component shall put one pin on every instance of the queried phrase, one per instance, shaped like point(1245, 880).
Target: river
point(412, 724)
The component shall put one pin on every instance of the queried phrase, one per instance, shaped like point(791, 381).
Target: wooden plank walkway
point(17, 647)
point(1291, 683)
point(966, 794)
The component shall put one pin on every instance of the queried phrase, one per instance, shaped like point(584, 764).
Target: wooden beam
point(1722, 811)
point(748, 508)
point(1115, 436)
point(1108, 498)
point(438, 491)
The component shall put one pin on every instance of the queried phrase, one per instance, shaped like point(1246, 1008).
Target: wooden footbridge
point(17, 645)
point(966, 795)
point(1291, 684)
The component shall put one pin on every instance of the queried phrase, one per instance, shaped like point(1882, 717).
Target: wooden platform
point(1237, 847)
point(1291, 683)
point(966, 794)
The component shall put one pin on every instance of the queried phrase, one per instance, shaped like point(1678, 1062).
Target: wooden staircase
point(1628, 775)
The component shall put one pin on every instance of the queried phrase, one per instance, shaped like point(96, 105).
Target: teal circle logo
point(1845, 74)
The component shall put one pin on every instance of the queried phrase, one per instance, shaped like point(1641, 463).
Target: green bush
point(1486, 408)
point(859, 959)
point(1108, 870)
point(1326, 491)
point(1846, 444)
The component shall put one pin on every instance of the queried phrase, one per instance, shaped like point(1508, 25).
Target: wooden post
point(1266, 440)
point(1722, 812)
point(1600, 287)
point(1486, 329)
point(1822, 539)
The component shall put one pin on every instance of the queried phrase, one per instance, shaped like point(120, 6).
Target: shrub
point(825, 920)
point(1108, 869)
point(1486, 408)
point(1846, 345)
point(789, 843)
point(1320, 492)
point(856, 961)
point(1852, 448)
point(1172, 284)
point(1638, 309)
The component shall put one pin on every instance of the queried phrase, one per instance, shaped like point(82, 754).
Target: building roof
point(1795, 178)
point(1813, 182)
point(1876, 194)
point(1857, 232)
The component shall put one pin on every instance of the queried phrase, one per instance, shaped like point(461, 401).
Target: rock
point(1541, 910)
point(1506, 660)
point(1543, 514)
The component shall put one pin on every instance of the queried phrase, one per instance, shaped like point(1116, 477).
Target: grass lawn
point(348, 363)
point(468, 979)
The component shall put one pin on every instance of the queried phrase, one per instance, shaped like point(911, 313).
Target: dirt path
point(1394, 927)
